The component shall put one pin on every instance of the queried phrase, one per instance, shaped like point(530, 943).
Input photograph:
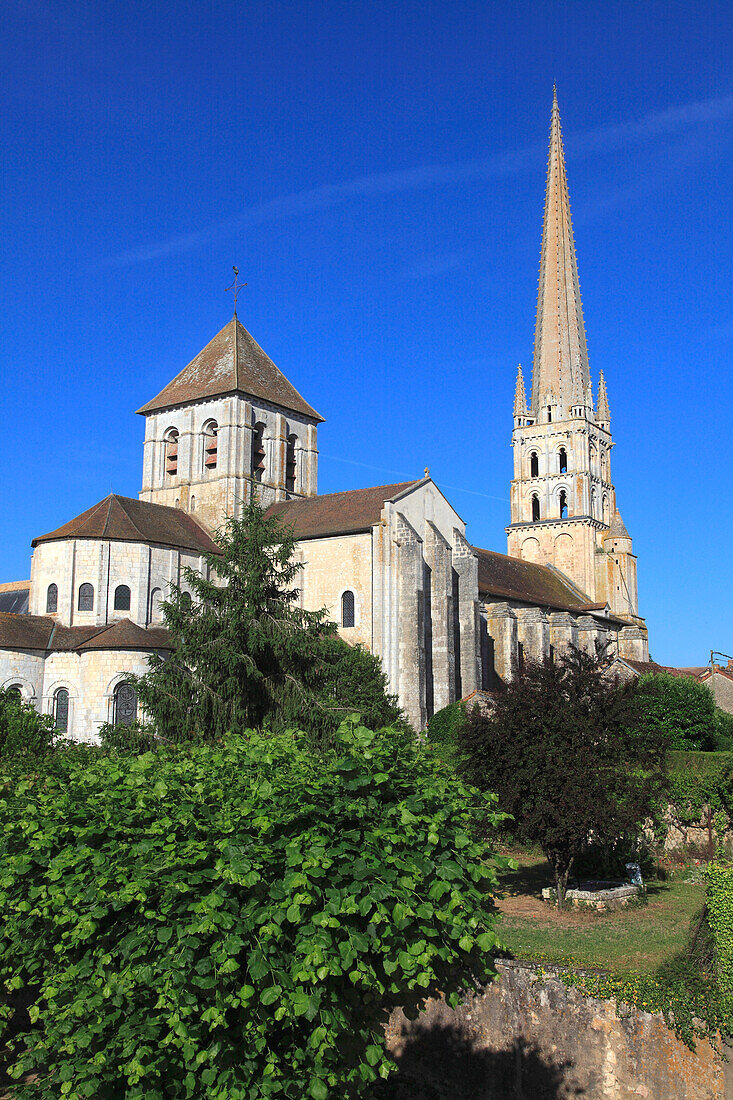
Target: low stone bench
point(602, 896)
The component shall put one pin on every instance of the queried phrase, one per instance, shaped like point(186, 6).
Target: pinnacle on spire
point(520, 400)
point(603, 412)
point(560, 350)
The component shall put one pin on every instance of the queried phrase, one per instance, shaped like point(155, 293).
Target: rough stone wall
point(23, 668)
point(469, 656)
point(722, 691)
point(528, 1036)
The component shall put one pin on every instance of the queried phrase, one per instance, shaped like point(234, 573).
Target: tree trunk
point(562, 874)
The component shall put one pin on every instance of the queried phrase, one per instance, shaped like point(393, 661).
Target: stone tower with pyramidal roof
point(230, 424)
point(563, 503)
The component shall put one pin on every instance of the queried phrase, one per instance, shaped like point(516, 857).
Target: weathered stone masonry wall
point(528, 1036)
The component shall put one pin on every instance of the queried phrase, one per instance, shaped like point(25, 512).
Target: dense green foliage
point(232, 920)
point(442, 731)
point(684, 710)
point(23, 731)
point(699, 783)
point(245, 655)
point(719, 905)
point(569, 753)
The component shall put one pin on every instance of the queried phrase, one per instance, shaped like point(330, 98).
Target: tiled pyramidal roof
point(126, 519)
point(560, 365)
point(233, 362)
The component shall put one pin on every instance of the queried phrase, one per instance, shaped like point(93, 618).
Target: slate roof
point(41, 632)
point(233, 362)
point(126, 519)
point(14, 596)
point(338, 513)
point(528, 582)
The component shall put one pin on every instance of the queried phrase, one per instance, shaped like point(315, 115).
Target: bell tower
point(563, 503)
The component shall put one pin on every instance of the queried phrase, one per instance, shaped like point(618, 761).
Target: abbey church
point(393, 564)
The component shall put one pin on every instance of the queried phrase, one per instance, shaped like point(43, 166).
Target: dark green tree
point(683, 709)
point(23, 731)
point(570, 754)
point(245, 655)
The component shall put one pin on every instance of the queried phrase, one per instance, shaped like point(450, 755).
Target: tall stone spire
point(520, 400)
point(560, 350)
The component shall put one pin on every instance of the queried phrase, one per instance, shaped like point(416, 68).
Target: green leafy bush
point(23, 731)
point(442, 731)
point(234, 920)
point(682, 708)
point(719, 904)
point(700, 781)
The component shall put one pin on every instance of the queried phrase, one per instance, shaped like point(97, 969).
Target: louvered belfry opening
point(171, 453)
point(290, 469)
point(211, 445)
point(258, 452)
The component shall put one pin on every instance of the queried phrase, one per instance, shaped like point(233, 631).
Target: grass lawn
point(638, 940)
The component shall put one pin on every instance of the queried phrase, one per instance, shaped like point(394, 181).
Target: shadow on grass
point(438, 1062)
point(530, 879)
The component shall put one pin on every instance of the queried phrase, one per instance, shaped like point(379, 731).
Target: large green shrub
point(442, 732)
point(700, 781)
point(233, 920)
point(23, 731)
point(683, 709)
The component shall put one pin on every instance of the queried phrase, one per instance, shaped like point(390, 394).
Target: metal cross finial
point(236, 287)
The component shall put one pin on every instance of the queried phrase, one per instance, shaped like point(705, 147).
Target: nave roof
point(338, 513)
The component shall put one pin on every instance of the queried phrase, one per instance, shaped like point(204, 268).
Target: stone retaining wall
point(529, 1037)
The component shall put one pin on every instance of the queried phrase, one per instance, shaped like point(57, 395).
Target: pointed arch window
point(171, 453)
point(61, 710)
point(86, 597)
point(347, 609)
point(535, 508)
point(562, 458)
point(258, 451)
point(534, 464)
point(563, 504)
point(211, 444)
point(52, 599)
point(122, 598)
point(290, 464)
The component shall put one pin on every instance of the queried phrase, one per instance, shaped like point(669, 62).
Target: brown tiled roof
point(25, 631)
point(514, 579)
point(129, 520)
point(43, 633)
point(337, 513)
point(232, 362)
point(14, 586)
point(643, 667)
point(14, 597)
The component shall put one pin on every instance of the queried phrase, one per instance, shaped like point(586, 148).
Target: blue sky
point(376, 171)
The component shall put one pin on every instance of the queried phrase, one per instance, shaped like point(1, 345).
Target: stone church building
point(393, 564)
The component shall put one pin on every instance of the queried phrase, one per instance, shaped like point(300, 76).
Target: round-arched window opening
point(171, 452)
point(15, 692)
point(211, 444)
point(52, 599)
point(122, 598)
point(347, 609)
point(535, 509)
point(86, 597)
point(562, 460)
point(156, 611)
point(61, 710)
point(290, 464)
point(534, 464)
point(563, 504)
point(258, 451)
point(125, 704)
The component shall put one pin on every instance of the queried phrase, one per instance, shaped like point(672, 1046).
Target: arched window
point(193, 503)
point(122, 598)
point(61, 710)
point(86, 597)
point(125, 704)
point(290, 464)
point(534, 465)
point(605, 508)
point(156, 611)
point(211, 444)
point(52, 599)
point(562, 460)
point(535, 509)
point(563, 504)
point(593, 459)
point(171, 453)
point(16, 691)
point(593, 504)
point(604, 464)
point(258, 451)
point(347, 609)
